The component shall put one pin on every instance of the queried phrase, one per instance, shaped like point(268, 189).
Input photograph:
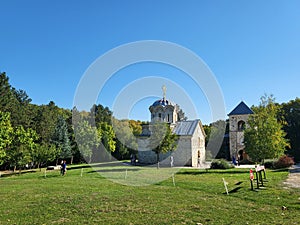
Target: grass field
point(198, 197)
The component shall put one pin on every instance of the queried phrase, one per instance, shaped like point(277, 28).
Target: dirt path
point(293, 179)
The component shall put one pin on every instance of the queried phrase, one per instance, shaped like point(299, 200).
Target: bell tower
point(238, 118)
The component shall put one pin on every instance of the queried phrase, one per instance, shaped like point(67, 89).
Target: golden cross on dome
point(164, 89)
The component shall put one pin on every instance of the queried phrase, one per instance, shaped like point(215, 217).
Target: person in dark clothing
point(63, 168)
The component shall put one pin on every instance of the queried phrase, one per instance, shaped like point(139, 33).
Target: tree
point(291, 114)
point(61, 138)
point(23, 143)
point(100, 114)
point(126, 132)
point(6, 95)
point(215, 142)
point(264, 137)
point(21, 111)
point(87, 138)
point(107, 136)
point(162, 140)
point(6, 132)
point(43, 153)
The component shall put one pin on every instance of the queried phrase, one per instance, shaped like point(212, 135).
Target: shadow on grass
point(233, 190)
point(16, 173)
point(98, 165)
point(48, 176)
point(280, 170)
point(114, 170)
point(212, 171)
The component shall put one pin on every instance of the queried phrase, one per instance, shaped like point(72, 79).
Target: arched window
point(241, 125)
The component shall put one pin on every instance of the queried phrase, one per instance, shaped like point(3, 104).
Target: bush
point(245, 162)
point(284, 162)
point(269, 164)
point(220, 164)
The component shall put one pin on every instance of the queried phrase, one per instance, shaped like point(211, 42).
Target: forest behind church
point(37, 135)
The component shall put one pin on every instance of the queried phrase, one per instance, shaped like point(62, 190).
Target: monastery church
point(191, 143)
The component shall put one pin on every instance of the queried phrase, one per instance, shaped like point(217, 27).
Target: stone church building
point(191, 143)
point(238, 118)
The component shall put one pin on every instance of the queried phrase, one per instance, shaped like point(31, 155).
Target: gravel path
point(293, 179)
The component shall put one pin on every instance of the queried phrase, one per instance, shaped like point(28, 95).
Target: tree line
point(37, 135)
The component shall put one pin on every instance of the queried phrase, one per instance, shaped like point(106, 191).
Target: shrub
point(269, 164)
point(245, 162)
point(220, 164)
point(284, 162)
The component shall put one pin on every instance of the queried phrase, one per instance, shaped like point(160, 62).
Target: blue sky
point(252, 47)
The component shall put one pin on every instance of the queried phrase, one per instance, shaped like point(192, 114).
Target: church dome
point(162, 102)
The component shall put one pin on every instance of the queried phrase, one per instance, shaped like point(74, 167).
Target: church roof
point(163, 102)
point(186, 127)
point(241, 109)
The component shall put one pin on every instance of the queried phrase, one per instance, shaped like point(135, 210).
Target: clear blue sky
point(252, 47)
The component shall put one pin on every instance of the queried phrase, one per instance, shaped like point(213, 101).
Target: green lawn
point(198, 197)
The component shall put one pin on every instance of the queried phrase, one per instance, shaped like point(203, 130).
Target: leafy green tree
point(107, 136)
point(126, 132)
point(6, 132)
point(61, 138)
point(264, 137)
point(162, 140)
point(21, 113)
point(16, 102)
point(22, 146)
point(5, 93)
point(291, 114)
point(136, 127)
point(100, 114)
point(87, 138)
point(43, 153)
point(215, 141)
point(45, 121)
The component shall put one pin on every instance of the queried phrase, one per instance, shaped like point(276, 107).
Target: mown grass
point(198, 197)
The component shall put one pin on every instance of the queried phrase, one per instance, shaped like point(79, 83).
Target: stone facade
point(166, 113)
point(190, 148)
point(191, 143)
point(238, 119)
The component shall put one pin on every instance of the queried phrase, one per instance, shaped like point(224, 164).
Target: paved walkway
point(293, 179)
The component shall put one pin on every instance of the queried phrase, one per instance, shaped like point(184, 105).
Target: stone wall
point(236, 134)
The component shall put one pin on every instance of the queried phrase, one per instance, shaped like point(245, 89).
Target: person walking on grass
point(63, 168)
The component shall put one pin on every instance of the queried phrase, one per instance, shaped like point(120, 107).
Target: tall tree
point(162, 140)
point(265, 138)
point(291, 114)
point(45, 121)
point(61, 138)
point(20, 151)
point(6, 94)
point(100, 114)
point(107, 136)
point(43, 153)
point(126, 132)
point(215, 140)
point(6, 132)
point(21, 112)
point(87, 138)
